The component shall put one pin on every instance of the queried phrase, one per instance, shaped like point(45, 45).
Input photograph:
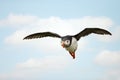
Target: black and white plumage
point(69, 42)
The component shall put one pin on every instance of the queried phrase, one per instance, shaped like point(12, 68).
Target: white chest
point(73, 46)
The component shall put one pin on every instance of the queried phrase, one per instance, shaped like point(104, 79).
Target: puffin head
point(66, 41)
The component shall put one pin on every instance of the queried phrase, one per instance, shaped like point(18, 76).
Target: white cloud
point(89, 21)
point(18, 20)
point(16, 38)
point(48, 62)
point(33, 67)
point(113, 74)
point(34, 24)
point(110, 61)
point(107, 58)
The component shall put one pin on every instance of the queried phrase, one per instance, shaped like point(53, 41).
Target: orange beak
point(63, 45)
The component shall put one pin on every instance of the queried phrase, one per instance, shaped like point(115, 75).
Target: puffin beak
point(63, 45)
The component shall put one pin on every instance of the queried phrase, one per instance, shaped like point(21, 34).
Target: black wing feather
point(42, 34)
point(88, 31)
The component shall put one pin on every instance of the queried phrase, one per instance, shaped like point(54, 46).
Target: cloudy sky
point(97, 57)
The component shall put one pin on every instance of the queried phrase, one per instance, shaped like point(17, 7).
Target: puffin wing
point(88, 31)
point(42, 34)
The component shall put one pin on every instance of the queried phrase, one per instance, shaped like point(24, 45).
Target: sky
point(97, 56)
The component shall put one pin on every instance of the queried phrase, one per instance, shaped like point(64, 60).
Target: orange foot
point(72, 54)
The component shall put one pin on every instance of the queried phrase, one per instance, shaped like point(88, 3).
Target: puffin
point(69, 42)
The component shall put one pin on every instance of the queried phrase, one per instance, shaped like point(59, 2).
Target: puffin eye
point(67, 42)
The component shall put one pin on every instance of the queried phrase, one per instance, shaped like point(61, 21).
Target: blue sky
point(97, 57)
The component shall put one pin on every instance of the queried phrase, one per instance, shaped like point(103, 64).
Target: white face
point(65, 43)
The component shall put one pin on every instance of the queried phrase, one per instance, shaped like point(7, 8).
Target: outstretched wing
point(88, 31)
point(42, 34)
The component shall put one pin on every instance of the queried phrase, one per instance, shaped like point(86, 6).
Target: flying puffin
point(69, 42)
